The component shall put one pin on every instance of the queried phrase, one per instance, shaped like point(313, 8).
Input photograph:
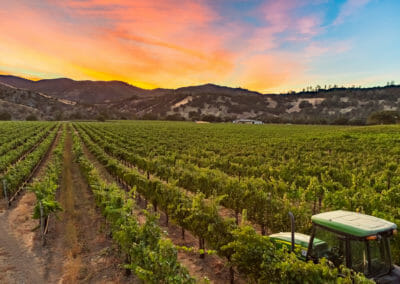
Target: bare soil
point(17, 263)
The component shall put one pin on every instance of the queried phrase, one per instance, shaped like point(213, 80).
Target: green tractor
point(357, 241)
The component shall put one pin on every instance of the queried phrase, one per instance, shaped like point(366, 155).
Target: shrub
point(384, 117)
point(305, 104)
point(101, 118)
point(5, 116)
point(31, 117)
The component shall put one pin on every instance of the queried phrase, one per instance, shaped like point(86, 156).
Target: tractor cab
point(357, 241)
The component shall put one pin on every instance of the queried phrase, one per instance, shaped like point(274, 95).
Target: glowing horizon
point(266, 46)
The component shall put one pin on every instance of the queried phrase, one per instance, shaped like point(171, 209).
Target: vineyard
point(187, 203)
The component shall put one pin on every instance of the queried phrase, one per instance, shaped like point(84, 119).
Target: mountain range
point(64, 98)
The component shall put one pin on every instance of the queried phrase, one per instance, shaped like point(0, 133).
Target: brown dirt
point(17, 263)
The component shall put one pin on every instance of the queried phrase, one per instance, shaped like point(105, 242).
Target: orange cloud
point(139, 53)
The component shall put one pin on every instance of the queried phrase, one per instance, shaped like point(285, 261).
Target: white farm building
point(247, 121)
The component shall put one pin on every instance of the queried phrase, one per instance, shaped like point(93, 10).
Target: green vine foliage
point(17, 174)
point(46, 187)
point(253, 255)
point(149, 255)
point(12, 151)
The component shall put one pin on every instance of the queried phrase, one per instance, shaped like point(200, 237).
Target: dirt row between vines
point(77, 248)
point(212, 267)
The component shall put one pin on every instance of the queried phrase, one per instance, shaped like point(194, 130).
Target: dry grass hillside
point(21, 104)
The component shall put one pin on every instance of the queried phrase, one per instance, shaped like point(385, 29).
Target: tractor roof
point(352, 223)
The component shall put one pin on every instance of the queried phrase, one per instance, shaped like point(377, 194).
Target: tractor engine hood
point(301, 241)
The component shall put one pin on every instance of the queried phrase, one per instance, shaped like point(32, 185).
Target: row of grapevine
point(11, 129)
point(46, 186)
point(24, 144)
point(150, 256)
point(253, 255)
point(17, 176)
point(15, 135)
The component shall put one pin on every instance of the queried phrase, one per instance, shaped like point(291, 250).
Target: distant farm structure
point(247, 121)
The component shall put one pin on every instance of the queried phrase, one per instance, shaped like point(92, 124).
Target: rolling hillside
point(19, 104)
point(114, 99)
point(89, 92)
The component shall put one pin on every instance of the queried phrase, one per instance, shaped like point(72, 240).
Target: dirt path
point(17, 264)
point(79, 237)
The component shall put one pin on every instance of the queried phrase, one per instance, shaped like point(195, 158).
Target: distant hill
point(115, 99)
point(88, 92)
point(99, 92)
point(21, 103)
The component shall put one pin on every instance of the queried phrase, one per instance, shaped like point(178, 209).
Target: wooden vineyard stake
point(5, 192)
point(41, 222)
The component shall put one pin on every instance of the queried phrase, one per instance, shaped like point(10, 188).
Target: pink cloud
point(309, 26)
point(284, 24)
point(157, 18)
point(316, 49)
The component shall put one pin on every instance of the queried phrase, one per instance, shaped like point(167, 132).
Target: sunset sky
point(267, 46)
